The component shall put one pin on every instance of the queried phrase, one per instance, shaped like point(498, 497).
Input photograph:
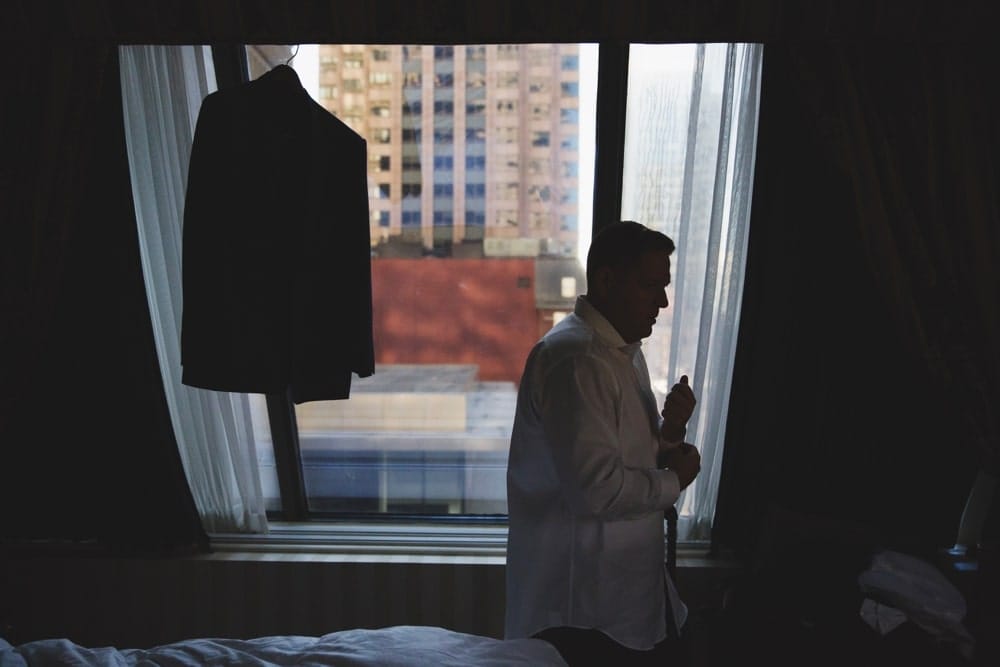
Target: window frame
point(609, 144)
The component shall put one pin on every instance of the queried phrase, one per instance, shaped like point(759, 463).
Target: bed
point(397, 646)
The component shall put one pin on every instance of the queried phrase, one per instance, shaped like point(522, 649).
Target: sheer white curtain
point(691, 130)
point(162, 90)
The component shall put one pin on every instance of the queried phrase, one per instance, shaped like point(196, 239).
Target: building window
point(539, 138)
point(382, 135)
point(537, 85)
point(569, 89)
point(506, 79)
point(569, 116)
point(539, 193)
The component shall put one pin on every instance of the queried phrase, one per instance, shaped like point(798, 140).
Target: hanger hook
point(292, 57)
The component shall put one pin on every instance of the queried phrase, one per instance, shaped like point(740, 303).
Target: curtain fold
point(689, 155)
point(922, 165)
point(88, 453)
point(163, 87)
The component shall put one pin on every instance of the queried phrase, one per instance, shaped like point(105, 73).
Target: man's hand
point(677, 410)
point(685, 461)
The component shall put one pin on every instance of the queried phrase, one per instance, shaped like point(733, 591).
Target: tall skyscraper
point(473, 149)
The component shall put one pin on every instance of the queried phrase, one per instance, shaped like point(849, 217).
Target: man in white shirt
point(593, 465)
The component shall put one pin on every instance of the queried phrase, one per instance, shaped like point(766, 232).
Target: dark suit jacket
point(276, 246)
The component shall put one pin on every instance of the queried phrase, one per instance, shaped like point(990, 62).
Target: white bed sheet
point(397, 646)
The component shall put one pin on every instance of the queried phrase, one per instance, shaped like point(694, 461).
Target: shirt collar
point(604, 329)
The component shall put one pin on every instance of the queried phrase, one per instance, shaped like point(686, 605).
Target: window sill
point(395, 542)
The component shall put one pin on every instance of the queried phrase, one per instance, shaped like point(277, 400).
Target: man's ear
point(602, 283)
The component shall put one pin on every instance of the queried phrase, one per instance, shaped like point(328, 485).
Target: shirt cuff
point(670, 488)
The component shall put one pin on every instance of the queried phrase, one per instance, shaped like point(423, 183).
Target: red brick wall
point(434, 310)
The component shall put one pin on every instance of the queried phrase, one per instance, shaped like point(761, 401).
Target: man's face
point(637, 293)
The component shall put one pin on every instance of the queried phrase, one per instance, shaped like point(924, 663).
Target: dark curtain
point(86, 447)
point(866, 374)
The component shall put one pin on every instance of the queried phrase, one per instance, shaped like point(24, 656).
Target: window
point(569, 116)
point(506, 79)
point(449, 390)
point(538, 86)
point(539, 138)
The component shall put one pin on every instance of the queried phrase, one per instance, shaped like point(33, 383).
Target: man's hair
point(621, 244)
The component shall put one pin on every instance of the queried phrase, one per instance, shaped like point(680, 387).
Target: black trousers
point(587, 647)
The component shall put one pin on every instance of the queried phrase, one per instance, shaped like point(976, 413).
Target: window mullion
point(287, 456)
point(609, 154)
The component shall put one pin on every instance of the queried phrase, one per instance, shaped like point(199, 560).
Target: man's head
point(628, 270)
